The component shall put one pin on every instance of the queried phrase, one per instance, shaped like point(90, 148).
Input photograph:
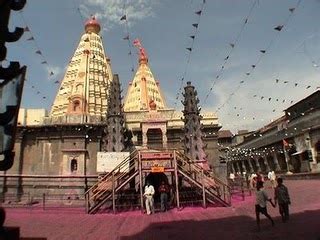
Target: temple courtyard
point(236, 222)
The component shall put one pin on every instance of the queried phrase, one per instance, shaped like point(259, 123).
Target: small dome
point(92, 25)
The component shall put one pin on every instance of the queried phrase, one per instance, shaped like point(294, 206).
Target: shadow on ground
point(302, 226)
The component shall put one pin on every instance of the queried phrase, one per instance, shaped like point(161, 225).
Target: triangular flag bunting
point(192, 36)
point(278, 28)
point(198, 12)
point(189, 49)
point(38, 52)
point(195, 25)
point(232, 45)
point(263, 51)
point(291, 9)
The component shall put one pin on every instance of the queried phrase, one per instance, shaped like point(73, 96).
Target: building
point(57, 154)
point(288, 144)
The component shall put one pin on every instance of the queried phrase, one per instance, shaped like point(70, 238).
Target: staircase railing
point(106, 188)
point(215, 188)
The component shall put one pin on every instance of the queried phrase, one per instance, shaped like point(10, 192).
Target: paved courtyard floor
point(236, 222)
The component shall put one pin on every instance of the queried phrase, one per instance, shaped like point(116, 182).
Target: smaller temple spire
point(143, 57)
point(144, 92)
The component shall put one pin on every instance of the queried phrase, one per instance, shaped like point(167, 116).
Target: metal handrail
point(134, 154)
point(191, 167)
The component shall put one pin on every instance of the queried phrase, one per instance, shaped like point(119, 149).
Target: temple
point(83, 90)
point(93, 148)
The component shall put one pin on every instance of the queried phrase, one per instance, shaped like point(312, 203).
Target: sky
point(243, 69)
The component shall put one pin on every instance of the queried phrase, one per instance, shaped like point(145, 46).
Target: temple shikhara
point(96, 150)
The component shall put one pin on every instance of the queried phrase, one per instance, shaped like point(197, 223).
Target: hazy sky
point(292, 54)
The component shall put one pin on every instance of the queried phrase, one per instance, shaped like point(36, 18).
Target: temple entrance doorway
point(155, 180)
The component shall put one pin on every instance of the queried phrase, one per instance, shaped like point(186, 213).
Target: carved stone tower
point(144, 88)
point(113, 141)
point(193, 137)
point(84, 88)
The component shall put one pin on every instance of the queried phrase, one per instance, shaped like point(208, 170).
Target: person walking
point(148, 193)
point(261, 204)
point(164, 192)
point(281, 196)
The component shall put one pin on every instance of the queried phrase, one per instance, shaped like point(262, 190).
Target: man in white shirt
point(148, 193)
point(261, 204)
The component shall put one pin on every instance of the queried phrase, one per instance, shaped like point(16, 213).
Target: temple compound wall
point(61, 159)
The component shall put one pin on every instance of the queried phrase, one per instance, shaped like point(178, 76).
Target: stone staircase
point(121, 186)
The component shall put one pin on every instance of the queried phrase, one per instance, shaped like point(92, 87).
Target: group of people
point(281, 198)
point(149, 192)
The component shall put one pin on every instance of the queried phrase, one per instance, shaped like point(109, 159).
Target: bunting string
point(43, 60)
point(190, 50)
point(39, 52)
point(127, 37)
point(232, 47)
point(278, 28)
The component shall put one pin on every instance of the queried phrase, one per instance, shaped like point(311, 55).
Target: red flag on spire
point(136, 42)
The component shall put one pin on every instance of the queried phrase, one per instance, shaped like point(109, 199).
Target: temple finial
point(143, 57)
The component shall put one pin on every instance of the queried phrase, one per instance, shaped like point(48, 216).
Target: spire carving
point(113, 140)
point(144, 88)
point(84, 88)
point(193, 136)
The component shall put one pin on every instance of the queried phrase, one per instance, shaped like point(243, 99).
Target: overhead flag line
point(278, 28)
point(189, 53)
point(43, 60)
point(229, 54)
point(127, 37)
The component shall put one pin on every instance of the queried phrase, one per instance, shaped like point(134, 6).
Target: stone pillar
point(232, 167)
point(235, 166)
point(240, 166)
point(276, 162)
point(144, 139)
point(265, 160)
point(250, 165)
point(164, 138)
point(257, 164)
